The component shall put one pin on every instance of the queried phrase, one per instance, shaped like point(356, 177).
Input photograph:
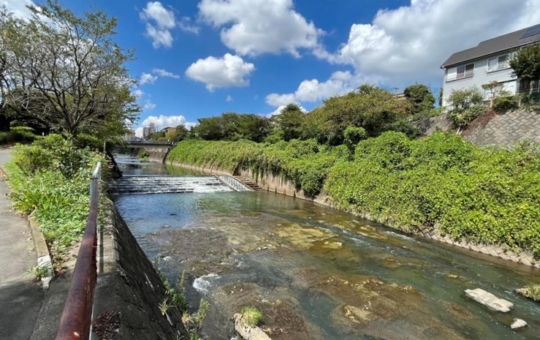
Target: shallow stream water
point(318, 273)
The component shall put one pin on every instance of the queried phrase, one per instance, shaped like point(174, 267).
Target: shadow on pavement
point(20, 303)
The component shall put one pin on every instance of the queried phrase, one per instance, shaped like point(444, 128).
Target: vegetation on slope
point(485, 195)
point(50, 179)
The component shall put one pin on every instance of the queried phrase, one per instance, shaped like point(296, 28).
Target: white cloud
point(159, 37)
point(185, 25)
point(162, 122)
point(164, 73)
point(313, 90)
point(148, 106)
point(147, 78)
point(229, 71)
point(252, 27)
point(229, 98)
point(410, 43)
point(18, 7)
point(159, 23)
point(138, 93)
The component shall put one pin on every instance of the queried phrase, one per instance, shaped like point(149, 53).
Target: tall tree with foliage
point(290, 122)
point(420, 98)
point(65, 71)
point(233, 126)
point(526, 65)
point(371, 108)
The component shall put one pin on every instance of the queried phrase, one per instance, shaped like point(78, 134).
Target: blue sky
point(199, 58)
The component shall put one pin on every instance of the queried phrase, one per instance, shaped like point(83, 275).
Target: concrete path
point(20, 297)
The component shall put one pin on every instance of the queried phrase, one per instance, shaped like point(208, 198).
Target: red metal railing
point(76, 319)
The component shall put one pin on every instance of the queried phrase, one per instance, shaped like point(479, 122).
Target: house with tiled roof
point(489, 62)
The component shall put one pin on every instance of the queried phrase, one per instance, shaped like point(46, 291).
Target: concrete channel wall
point(129, 290)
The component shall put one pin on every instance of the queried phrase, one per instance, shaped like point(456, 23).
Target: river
point(316, 272)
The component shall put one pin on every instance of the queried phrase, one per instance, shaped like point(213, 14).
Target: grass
point(531, 291)
point(39, 272)
point(50, 179)
point(252, 316)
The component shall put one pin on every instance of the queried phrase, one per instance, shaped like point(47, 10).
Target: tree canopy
point(289, 122)
point(526, 64)
point(65, 72)
point(233, 126)
point(420, 98)
point(371, 108)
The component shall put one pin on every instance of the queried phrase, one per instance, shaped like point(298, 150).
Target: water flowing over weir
point(318, 273)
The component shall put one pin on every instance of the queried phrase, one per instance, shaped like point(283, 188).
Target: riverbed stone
point(518, 323)
point(525, 261)
point(248, 332)
point(489, 300)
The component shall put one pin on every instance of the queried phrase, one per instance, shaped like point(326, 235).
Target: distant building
point(129, 135)
point(148, 130)
point(488, 62)
point(169, 130)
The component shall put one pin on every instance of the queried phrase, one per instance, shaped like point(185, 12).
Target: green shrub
point(531, 101)
point(532, 292)
point(504, 104)
point(143, 155)
point(483, 195)
point(251, 316)
point(461, 117)
point(17, 135)
point(50, 179)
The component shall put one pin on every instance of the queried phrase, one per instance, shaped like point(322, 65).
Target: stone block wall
point(130, 290)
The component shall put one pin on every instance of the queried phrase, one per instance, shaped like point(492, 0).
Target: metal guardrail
point(76, 319)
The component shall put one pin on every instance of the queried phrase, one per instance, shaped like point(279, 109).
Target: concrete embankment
point(129, 290)
point(157, 154)
point(278, 184)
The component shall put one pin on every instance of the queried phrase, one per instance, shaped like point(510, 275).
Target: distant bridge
point(136, 144)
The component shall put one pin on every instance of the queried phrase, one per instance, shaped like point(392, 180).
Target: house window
point(499, 63)
point(465, 71)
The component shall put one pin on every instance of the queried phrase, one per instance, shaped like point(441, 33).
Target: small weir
point(175, 184)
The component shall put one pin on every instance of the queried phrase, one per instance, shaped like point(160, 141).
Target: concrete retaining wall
point(504, 129)
point(157, 154)
point(129, 289)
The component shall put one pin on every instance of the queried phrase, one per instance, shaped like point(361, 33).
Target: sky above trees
point(199, 58)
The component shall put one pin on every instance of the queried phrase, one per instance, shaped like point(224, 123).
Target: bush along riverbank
point(443, 183)
point(50, 179)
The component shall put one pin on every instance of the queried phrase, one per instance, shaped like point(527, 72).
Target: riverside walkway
point(20, 297)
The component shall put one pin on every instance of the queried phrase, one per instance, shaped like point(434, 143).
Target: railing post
point(76, 318)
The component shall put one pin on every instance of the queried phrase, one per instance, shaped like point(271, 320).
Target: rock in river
point(518, 323)
point(489, 300)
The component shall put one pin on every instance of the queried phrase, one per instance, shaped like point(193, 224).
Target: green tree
point(180, 133)
point(233, 126)
point(526, 65)
point(371, 108)
point(420, 98)
point(290, 121)
point(65, 71)
point(210, 128)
